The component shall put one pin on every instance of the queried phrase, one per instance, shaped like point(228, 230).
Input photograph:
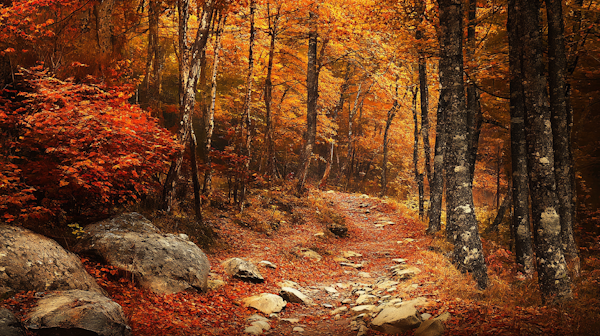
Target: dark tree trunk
point(506, 202)
point(152, 78)
point(386, 140)
point(468, 252)
point(520, 184)
point(551, 266)
point(189, 69)
point(104, 26)
point(436, 187)
point(474, 116)
point(312, 84)
point(557, 68)
point(424, 95)
point(273, 21)
point(418, 175)
point(209, 116)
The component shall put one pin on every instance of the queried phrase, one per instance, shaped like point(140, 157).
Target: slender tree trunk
point(506, 202)
point(418, 175)
point(104, 26)
point(468, 252)
point(273, 21)
point(436, 187)
point(386, 139)
point(520, 182)
point(551, 266)
point(189, 68)
point(247, 109)
point(557, 68)
point(209, 116)
point(334, 119)
point(474, 116)
point(312, 84)
point(424, 95)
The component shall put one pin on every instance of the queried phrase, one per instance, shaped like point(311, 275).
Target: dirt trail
point(376, 232)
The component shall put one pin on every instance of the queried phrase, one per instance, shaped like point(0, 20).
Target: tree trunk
point(506, 202)
point(551, 266)
point(436, 187)
point(417, 174)
point(273, 31)
point(424, 93)
point(474, 116)
point(209, 116)
point(104, 26)
point(557, 67)
point(247, 108)
point(468, 252)
point(312, 85)
point(386, 139)
point(520, 183)
point(189, 66)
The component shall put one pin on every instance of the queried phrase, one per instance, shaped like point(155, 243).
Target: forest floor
point(380, 231)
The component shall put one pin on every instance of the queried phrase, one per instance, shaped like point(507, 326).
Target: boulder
point(242, 269)
point(431, 327)
point(9, 325)
point(77, 312)
point(163, 263)
point(266, 303)
point(396, 320)
point(32, 262)
point(339, 230)
point(293, 295)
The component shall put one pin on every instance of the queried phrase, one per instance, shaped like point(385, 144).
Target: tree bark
point(273, 21)
point(551, 266)
point(418, 175)
point(557, 68)
point(104, 26)
point(520, 183)
point(386, 139)
point(247, 109)
point(312, 85)
point(189, 66)
point(468, 252)
point(506, 202)
point(474, 116)
point(209, 116)
point(424, 96)
point(436, 187)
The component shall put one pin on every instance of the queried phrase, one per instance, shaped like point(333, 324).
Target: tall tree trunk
point(104, 26)
point(474, 116)
point(468, 252)
point(418, 175)
point(189, 68)
point(151, 82)
point(551, 266)
point(436, 187)
point(209, 116)
point(424, 95)
point(247, 109)
point(334, 119)
point(520, 183)
point(386, 139)
point(557, 68)
point(273, 21)
point(312, 85)
point(506, 202)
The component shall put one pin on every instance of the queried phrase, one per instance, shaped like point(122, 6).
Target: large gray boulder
point(163, 263)
point(78, 312)
point(9, 325)
point(32, 262)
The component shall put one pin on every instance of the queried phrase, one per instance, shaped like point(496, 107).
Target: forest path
point(377, 235)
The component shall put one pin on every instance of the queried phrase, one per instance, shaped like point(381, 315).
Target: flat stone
point(366, 299)
point(263, 325)
point(266, 303)
point(399, 260)
point(350, 254)
point(256, 317)
point(386, 284)
point(290, 320)
point(338, 310)
point(242, 269)
point(396, 320)
point(407, 273)
point(298, 329)
point(364, 275)
point(253, 330)
point(267, 264)
point(310, 254)
point(293, 295)
point(362, 309)
point(330, 290)
point(431, 327)
point(215, 284)
point(357, 266)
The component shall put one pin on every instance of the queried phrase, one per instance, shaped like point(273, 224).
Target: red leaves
point(82, 147)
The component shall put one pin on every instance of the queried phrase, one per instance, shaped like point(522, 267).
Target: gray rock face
point(293, 295)
point(9, 325)
point(32, 262)
point(396, 320)
point(163, 263)
point(78, 312)
point(242, 269)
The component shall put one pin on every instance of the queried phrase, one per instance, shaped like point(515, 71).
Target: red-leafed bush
point(75, 150)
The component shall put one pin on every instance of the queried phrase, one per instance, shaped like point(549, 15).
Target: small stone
point(330, 290)
point(266, 303)
point(293, 295)
point(339, 310)
point(364, 275)
point(362, 309)
point(261, 324)
point(327, 305)
point(256, 317)
point(425, 316)
point(319, 234)
point(298, 329)
point(346, 301)
point(253, 330)
point(290, 320)
point(350, 254)
point(357, 266)
point(215, 284)
point(366, 299)
point(310, 254)
point(268, 264)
